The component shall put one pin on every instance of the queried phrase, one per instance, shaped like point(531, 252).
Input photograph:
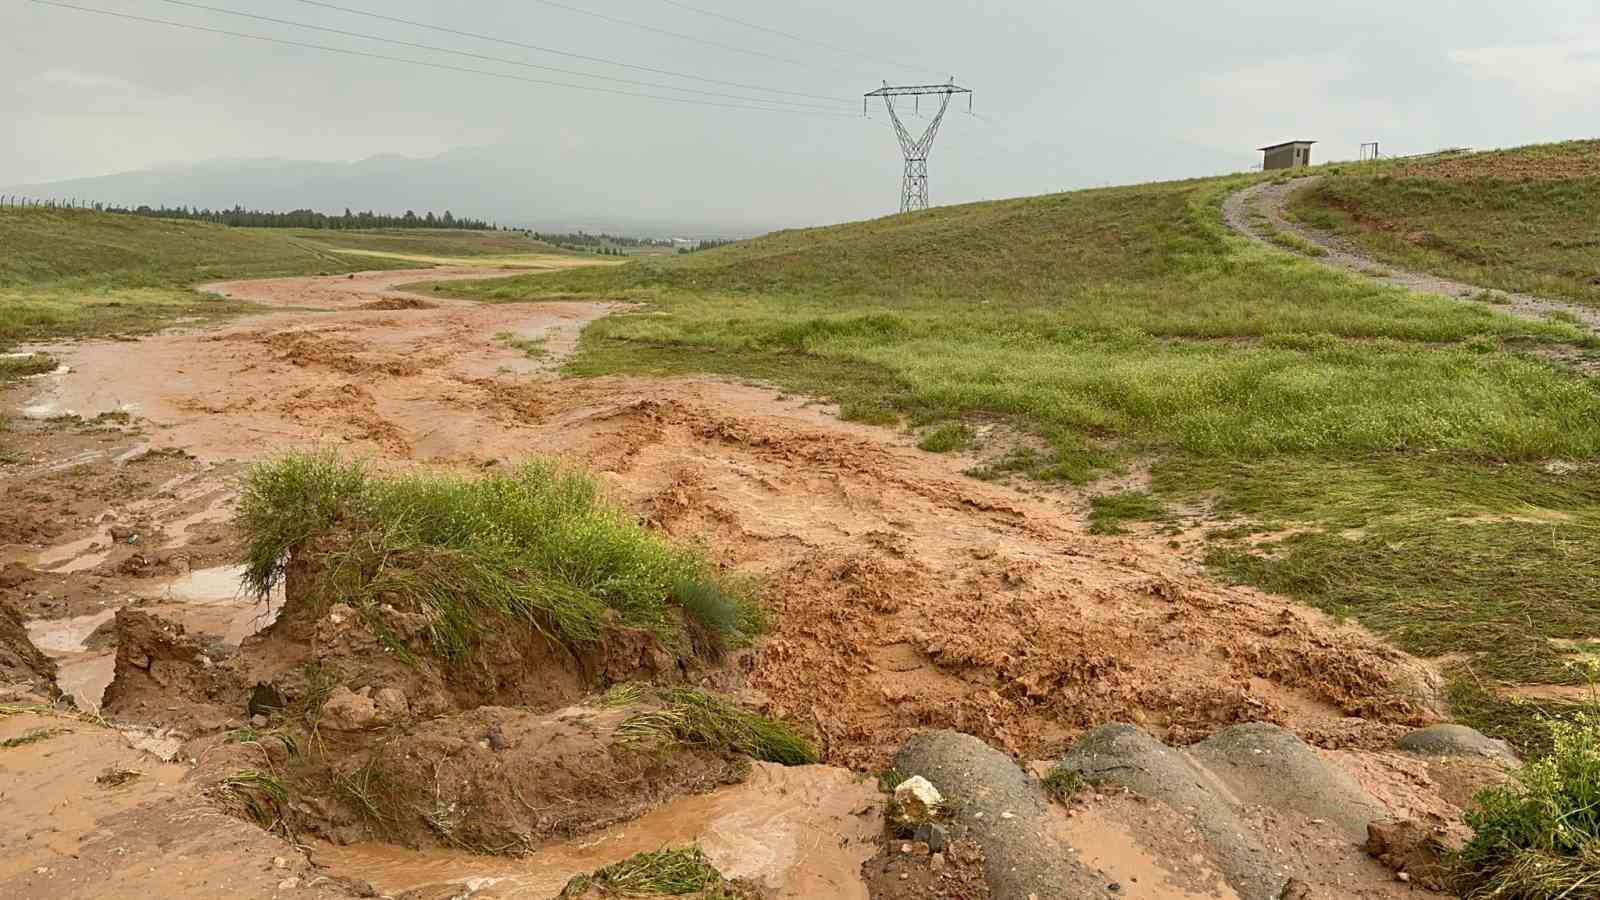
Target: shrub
point(1538, 837)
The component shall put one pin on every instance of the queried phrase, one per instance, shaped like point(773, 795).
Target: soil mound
point(20, 661)
point(502, 781)
point(165, 675)
point(399, 303)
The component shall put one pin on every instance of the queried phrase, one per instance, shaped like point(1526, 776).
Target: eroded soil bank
point(904, 595)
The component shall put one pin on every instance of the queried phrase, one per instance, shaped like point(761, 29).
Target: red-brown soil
point(904, 595)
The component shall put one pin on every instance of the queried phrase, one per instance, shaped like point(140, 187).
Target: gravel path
point(1269, 199)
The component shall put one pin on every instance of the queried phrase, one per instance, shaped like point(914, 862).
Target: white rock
point(918, 799)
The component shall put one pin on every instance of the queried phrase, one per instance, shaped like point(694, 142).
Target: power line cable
point(791, 36)
point(679, 35)
point(436, 65)
point(486, 58)
point(596, 59)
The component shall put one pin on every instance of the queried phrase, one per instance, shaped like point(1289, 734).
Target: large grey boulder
point(1456, 740)
point(1003, 808)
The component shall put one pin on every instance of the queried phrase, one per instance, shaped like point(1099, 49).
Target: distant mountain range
point(508, 185)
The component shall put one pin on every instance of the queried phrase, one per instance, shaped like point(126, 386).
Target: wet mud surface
point(905, 596)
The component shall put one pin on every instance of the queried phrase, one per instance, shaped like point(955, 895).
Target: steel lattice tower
point(914, 188)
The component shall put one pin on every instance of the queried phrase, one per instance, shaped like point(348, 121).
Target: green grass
point(1538, 837)
point(690, 716)
point(428, 242)
point(261, 796)
point(947, 438)
point(533, 348)
point(74, 273)
point(31, 736)
point(1107, 512)
point(1499, 226)
point(1062, 784)
point(671, 872)
point(537, 546)
point(1296, 244)
point(1402, 437)
point(12, 368)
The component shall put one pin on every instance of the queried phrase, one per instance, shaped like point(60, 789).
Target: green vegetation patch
point(690, 716)
point(1107, 512)
point(537, 546)
point(1538, 837)
point(1524, 234)
point(21, 366)
point(947, 438)
point(533, 348)
point(76, 273)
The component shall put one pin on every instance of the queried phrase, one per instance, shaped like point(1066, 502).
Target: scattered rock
point(1413, 851)
point(918, 800)
point(933, 834)
point(1456, 740)
point(345, 710)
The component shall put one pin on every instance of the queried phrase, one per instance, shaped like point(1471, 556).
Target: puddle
point(795, 830)
point(207, 602)
point(217, 604)
point(85, 678)
point(62, 636)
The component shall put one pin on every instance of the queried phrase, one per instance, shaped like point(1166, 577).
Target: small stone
point(1099, 798)
point(1113, 887)
point(279, 862)
point(1403, 876)
point(258, 720)
point(1008, 814)
point(936, 861)
point(932, 834)
point(904, 875)
point(288, 884)
point(918, 800)
point(905, 848)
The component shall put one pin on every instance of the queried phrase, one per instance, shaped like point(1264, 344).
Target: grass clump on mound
point(537, 546)
point(671, 872)
point(1538, 837)
point(690, 716)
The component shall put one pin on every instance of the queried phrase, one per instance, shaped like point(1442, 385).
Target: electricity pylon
point(914, 188)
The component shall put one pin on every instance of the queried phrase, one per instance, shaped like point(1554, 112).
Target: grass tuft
point(261, 796)
point(1107, 512)
point(947, 438)
point(537, 546)
point(664, 873)
point(1062, 784)
point(32, 736)
point(691, 716)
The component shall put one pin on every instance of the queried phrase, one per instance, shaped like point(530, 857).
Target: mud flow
point(904, 598)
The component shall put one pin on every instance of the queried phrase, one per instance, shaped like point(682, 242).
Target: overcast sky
point(1072, 93)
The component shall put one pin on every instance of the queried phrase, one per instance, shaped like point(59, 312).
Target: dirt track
point(905, 595)
point(1270, 198)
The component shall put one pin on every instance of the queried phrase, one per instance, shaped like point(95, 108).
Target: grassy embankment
point(1525, 220)
point(75, 273)
point(1409, 461)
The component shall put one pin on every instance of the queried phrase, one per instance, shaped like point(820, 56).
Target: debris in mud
point(914, 871)
point(1412, 851)
point(674, 872)
point(399, 303)
point(117, 777)
point(163, 674)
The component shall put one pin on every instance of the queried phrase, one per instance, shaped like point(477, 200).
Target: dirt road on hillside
point(904, 595)
point(1269, 199)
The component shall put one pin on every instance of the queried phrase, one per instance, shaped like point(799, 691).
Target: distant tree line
point(240, 217)
point(708, 244)
point(583, 240)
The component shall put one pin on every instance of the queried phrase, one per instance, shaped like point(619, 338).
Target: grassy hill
point(1428, 466)
point(1524, 220)
point(76, 273)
